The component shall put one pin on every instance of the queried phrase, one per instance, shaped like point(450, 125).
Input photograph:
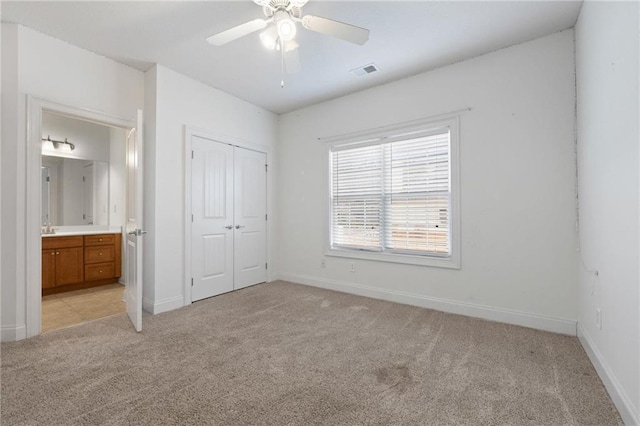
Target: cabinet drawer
point(61, 242)
point(100, 239)
point(98, 254)
point(99, 271)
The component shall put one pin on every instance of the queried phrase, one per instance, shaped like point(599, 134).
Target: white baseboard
point(11, 333)
point(161, 306)
point(556, 325)
point(619, 397)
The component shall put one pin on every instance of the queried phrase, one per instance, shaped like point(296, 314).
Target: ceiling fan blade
point(343, 31)
point(291, 59)
point(236, 32)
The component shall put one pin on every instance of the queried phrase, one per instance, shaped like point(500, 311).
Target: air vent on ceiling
point(364, 70)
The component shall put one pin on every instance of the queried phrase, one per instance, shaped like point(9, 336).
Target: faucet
point(48, 229)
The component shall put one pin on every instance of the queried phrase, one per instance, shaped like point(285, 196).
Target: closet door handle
point(239, 226)
point(229, 226)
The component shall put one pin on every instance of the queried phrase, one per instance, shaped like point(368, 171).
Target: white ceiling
point(407, 37)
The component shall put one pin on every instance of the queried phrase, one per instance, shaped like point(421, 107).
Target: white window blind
point(394, 196)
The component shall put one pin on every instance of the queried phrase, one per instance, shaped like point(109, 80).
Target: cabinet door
point(48, 268)
point(69, 265)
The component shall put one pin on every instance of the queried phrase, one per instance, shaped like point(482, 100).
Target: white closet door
point(250, 208)
point(212, 227)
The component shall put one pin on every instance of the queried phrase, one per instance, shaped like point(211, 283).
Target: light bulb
point(269, 38)
point(47, 145)
point(64, 147)
point(286, 29)
point(290, 45)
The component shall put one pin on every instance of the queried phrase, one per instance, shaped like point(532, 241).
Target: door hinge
point(266, 168)
point(83, 178)
point(192, 154)
point(191, 282)
point(266, 217)
point(266, 266)
point(48, 179)
point(191, 217)
point(84, 216)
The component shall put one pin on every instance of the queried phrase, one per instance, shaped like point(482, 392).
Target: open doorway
point(83, 171)
point(97, 242)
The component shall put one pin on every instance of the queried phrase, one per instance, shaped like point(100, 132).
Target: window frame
point(391, 134)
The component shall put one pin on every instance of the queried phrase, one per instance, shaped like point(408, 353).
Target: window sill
point(452, 262)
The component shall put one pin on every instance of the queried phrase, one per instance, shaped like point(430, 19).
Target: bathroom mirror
point(74, 192)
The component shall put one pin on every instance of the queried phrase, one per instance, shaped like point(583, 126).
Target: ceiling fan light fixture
point(286, 28)
point(290, 45)
point(269, 38)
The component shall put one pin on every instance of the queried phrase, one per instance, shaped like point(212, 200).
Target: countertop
point(72, 233)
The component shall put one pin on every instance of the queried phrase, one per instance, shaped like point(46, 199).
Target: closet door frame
point(189, 133)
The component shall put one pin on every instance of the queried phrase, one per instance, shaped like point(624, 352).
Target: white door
point(250, 209)
point(212, 220)
point(133, 289)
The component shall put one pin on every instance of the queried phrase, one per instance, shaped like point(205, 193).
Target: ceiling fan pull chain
point(281, 63)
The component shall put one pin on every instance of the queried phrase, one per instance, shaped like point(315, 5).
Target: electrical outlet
point(323, 263)
point(599, 318)
point(352, 267)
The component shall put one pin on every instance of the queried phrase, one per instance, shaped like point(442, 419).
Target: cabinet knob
point(53, 253)
point(57, 252)
point(99, 239)
point(100, 271)
point(100, 253)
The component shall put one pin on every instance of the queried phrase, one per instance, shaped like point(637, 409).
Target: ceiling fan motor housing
point(271, 8)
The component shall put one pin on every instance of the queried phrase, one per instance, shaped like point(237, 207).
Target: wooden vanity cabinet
point(62, 261)
point(71, 263)
point(102, 257)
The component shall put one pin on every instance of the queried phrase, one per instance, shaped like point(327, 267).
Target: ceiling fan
point(281, 17)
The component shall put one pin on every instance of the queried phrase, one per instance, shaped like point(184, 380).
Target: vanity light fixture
point(49, 144)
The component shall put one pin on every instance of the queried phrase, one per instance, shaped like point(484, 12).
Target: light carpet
point(286, 354)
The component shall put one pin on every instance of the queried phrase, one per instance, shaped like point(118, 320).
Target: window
point(391, 197)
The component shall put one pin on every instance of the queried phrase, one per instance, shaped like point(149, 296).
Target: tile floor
point(75, 307)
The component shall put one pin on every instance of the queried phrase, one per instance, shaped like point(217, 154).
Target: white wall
point(74, 77)
point(91, 140)
point(12, 323)
point(150, 188)
point(180, 101)
point(608, 180)
point(517, 180)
